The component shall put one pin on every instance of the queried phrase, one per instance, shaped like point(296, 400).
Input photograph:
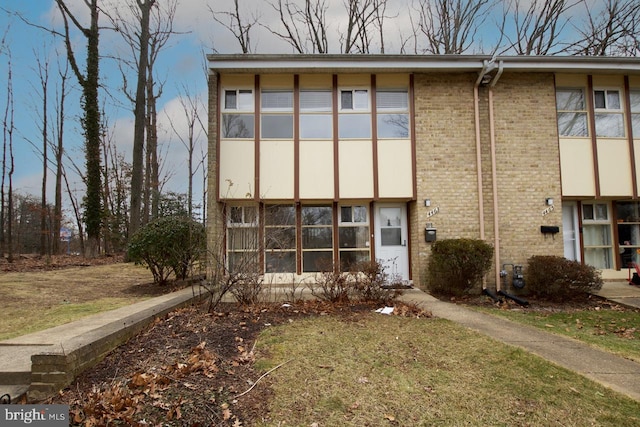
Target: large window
point(572, 112)
point(317, 238)
point(608, 113)
point(277, 114)
point(393, 113)
point(634, 96)
point(596, 230)
point(316, 120)
point(354, 120)
point(280, 239)
point(354, 236)
point(242, 239)
point(237, 114)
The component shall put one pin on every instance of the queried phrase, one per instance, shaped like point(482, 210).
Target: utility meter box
point(430, 234)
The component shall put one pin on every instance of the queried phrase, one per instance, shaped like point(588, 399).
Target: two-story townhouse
point(317, 162)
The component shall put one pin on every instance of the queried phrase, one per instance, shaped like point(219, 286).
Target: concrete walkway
point(68, 349)
point(615, 372)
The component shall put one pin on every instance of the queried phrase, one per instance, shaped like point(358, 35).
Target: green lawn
point(389, 370)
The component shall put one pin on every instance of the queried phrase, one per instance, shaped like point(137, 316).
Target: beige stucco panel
point(394, 168)
point(316, 81)
point(316, 170)
point(614, 164)
point(571, 80)
point(634, 81)
point(608, 81)
point(354, 80)
point(356, 169)
point(276, 81)
point(392, 80)
point(237, 166)
point(576, 166)
point(276, 169)
point(237, 80)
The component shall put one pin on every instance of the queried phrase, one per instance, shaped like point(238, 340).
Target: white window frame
point(354, 107)
point(606, 99)
point(249, 107)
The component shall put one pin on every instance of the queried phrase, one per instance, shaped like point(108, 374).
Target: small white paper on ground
point(386, 310)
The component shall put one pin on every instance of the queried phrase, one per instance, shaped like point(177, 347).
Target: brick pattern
point(527, 164)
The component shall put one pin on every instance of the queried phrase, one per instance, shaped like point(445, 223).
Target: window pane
point(317, 261)
point(245, 100)
point(316, 126)
point(392, 99)
point(613, 100)
point(354, 237)
point(235, 215)
point(230, 100)
point(629, 234)
point(243, 238)
point(570, 99)
point(354, 126)
point(635, 124)
point(587, 212)
point(280, 262)
point(244, 262)
point(280, 215)
point(317, 215)
point(277, 99)
point(634, 96)
point(237, 125)
point(280, 237)
point(597, 235)
point(393, 125)
point(599, 99)
point(346, 214)
point(391, 236)
point(572, 124)
point(598, 257)
point(350, 259)
point(361, 99)
point(315, 100)
point(609, 125)
point(359, 214)
point(628, 211)
point(277, 126)
point(602, 213)
point(317, 238)
point(346, 100)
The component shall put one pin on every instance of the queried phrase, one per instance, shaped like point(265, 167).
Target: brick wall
point(527, 164)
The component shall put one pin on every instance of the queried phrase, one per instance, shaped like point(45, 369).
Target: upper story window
point(572, 112)
point(393, 113)
point(277, 114)
point(608, 113)
point(354, 120)
point(316, 120)
point(237, 114)
point(634, 96)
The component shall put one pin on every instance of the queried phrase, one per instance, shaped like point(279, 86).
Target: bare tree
point(43, 75)
point(305, 28)
point(611, 30)
point(537, 26)
point(450, 26)
point(362, 20)
point(8, 128)
point(191, 106)
point(237, 25)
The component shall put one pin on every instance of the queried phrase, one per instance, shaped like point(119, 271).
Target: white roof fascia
point(269, 63)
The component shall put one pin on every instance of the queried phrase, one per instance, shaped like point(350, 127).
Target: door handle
point(404, 243)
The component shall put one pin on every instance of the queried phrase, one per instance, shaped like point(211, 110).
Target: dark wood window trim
point(336, 142)
point(629, 126)
point(296, 137)
point(592, 131)
point(374, 138)
point(256, 132)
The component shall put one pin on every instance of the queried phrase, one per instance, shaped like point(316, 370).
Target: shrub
point(371, 283)
point(456, 266)
point(168, 245)
point(558, 279)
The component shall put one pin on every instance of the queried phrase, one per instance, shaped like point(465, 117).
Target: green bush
point(558, 279)
point(168, 245)
point(456, 266)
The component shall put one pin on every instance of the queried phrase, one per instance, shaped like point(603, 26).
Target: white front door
point(391, 239)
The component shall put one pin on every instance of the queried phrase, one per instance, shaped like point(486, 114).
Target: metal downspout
point(496, 214)
point(476, 110)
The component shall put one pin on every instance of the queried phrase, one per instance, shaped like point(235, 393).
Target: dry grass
point(388, 370)
point(33, 301)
